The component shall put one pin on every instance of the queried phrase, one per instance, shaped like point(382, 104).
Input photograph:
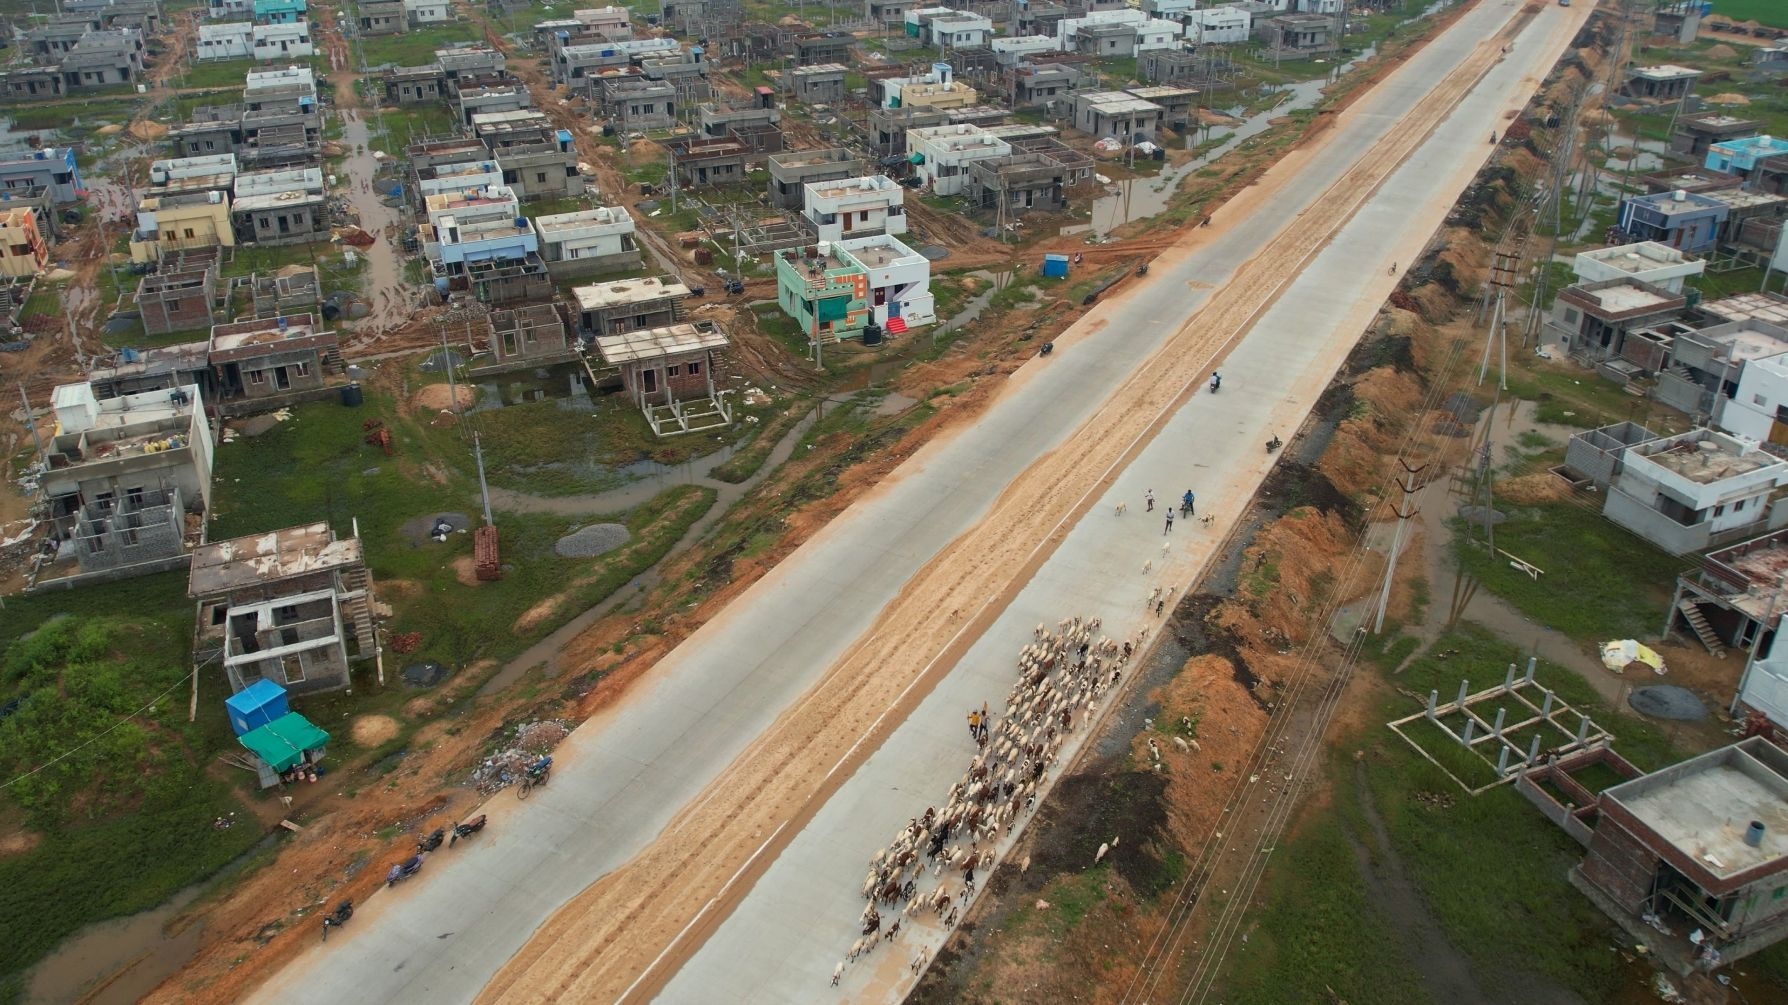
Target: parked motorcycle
point(537, 774)
point(1048, 347)
point(1143, 269)
point(433, 841)
point(1274, 444)
point(404, 870)
point(337, 918)
point(467, 829)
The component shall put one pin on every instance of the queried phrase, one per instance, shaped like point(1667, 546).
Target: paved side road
point(622, 776)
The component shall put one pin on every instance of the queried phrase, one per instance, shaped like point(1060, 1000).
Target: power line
point(109, 730)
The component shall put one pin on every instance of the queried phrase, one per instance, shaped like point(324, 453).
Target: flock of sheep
point(1061, 675)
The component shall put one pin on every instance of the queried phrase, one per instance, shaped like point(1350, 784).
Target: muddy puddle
point(119, 961)
point(389, 299)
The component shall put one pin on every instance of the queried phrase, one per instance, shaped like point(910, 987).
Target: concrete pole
point(1582, 728)
point(1471, 726)
point(1533, 663)
point(1533, 749)
point(1501, 714)
point(1502, 760)
point(1462, 692)
point(1432, 697)
point(1546, 706)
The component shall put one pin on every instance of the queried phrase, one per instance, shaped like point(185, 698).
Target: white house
point(229, 40)
point(1647, 261)
point(1015, 50)
point(1758, 410)
point(899, 281)
point(855, 207)
point(1172, 10)
point(1150, 32)
point(283, 41)
point(945, 152)
point(589, 241)
point(1320, 6)
point(946, 27)
point(1696, 490)
point(1219, 25)
point(428, 11)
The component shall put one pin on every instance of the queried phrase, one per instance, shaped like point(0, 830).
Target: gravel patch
point(1667, 701)
point(588, 542)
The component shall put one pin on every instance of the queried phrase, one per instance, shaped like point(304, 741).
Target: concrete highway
point(630, 773)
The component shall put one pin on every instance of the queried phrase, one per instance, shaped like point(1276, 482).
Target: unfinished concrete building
point(823, 47)
point(1018, 183)
point(637, 103)
point(486, 94)
point(704, 163)
point(293, 606)
point(122, 475)
point(539, 160)
point(629, 305)
point(531, 336)
point(412, 85)
point(180, 297)
point(1300, 34)
point(790, 171)
point(1702, 846)
point(668, 371)
point(1733, 598)
point(291, 290)
point(263, 364)
point(821, 84)
point(1043, 86)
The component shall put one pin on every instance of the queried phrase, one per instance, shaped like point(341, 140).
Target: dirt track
point(611, 934)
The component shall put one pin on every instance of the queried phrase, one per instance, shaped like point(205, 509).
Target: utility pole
point(31, 421)
point(1408, 482)
point(1502, 277)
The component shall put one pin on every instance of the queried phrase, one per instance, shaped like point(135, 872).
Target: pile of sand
point(1721, 51)
point(440, 397)
point(143, 129)
point(1729, 98)
point(370, 731)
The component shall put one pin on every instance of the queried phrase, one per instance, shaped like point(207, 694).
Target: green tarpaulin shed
point(282, 742)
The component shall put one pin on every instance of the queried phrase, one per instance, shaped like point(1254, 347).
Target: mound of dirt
point(465, 569)
point(440, 397)
point(1532, 489)
point(109, 129)
point(1721, 51)
point(369, 731)
point(1729, 98)
point(143, 129)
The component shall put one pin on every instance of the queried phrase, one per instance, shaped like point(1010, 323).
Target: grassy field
point(414, 48)
point(1490, 868)
point(318, 467)
point(1613, 586)
point(126, 818)
point(1770, 12)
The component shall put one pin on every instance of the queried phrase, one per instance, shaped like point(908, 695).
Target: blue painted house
point(279, 11)
point(1740, 157)
point(1687, 221)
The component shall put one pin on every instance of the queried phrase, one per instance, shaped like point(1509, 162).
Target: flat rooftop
point(1633, 259)
point(656, 343)
point(261, 333)
point(1703, 806)
point(1623, 297)
point(1751, 574)
point(600, 216)
point(1663, 71)
point(867, 186)
point(628, 291)
point(1738, 198)
point(222, 566)
point(1757, 306)
point(875, 252)
point(1701, 464)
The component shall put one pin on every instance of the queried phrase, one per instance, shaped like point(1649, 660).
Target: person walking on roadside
point(1149, 497)
point(974, 725)
point(1169, 529)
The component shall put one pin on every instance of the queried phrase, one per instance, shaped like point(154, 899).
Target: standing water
point(391, 303)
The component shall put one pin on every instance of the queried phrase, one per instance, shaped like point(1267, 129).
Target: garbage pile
point(504, 767)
